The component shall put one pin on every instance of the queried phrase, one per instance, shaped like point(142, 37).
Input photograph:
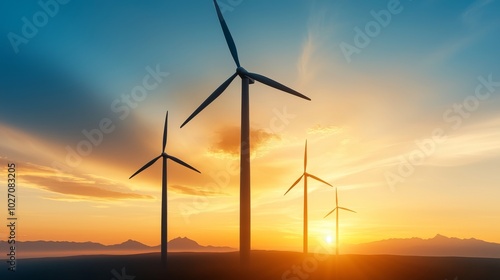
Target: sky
point(403, 118)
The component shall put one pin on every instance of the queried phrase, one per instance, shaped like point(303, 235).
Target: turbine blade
point(305, 158)
point(211, 98)
point(276, 85)
point(146, 166)
point(296, 182)
point(165, 133)
point(227, 35)
point(347, 209)
point(330, 212)
point(318, 179)
point(182, 163)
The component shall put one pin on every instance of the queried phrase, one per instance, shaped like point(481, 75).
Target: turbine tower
point(338, 208)
point(247, 78)
point(305, 175)
point(164, 216)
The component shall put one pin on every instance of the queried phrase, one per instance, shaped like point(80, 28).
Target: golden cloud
point(228, 141)
point(192, 190)
point(324, 130)
point(81, 186)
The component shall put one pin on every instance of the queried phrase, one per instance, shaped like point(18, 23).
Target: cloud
point(73, 186)
point(192, 190)
point(310, 62)
point(228, 142)
point(470, 144)
point(471, 18)
point(473, 143)
point(452, 47)
point(81, 187)
point(324, 130)
point(472, 14)
point(304, 65)
point(19, 143)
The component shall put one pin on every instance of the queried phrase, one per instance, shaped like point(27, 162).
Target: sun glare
point(329, 239)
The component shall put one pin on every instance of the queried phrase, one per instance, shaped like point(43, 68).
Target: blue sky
point(96, 51)
point(367, 110)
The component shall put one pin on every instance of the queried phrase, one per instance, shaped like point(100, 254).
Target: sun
point(329, 239)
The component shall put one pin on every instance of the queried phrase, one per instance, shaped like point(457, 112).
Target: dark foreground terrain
point(264, 265)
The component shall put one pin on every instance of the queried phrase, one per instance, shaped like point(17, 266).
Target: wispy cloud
point(470, 144)
point(228, 142)
point(73, 186)
point(192, 190)
point(17, 142)
point(452, 48)
point(473, 143)
point(473, 13)
point(320, 29)
point(324, 129)
point(471, 18)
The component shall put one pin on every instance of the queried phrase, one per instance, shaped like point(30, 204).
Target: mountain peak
point(183, 242)
point(439, 236)
point(439, 245)
point(130, 241)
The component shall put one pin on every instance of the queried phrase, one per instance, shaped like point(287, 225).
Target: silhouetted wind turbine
point(337, 207)
point(246, 79)
point(164, 216)
point(305, 175)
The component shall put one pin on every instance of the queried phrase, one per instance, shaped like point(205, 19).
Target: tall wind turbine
point(164, 216)
point(246, 79)
point(305, 175)
point(338, 208)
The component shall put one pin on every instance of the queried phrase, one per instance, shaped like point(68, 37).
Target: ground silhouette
point(263, 265)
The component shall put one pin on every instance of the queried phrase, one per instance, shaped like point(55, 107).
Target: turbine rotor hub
point(243, 73)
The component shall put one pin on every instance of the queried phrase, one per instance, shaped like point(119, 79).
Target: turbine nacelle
point(243, 73)
point(337, 207)
point(164, 154)
point(305, 174)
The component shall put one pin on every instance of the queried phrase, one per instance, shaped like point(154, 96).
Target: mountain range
point(437, 246)
point(65, 248)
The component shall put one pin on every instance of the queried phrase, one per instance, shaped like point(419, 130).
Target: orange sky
point(367, 119)
point(97, 202)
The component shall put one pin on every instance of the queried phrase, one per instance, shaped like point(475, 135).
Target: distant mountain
point(185, 244)
point(129, 245)
point(66, 248)
point(438, 246)
point(76, 246)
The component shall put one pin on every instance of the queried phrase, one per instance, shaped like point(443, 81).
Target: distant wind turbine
point(337, 207)
point(246, 78)
point(305, 175)
point(164, 216)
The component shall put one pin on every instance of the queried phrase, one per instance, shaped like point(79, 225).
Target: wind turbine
point(305, 175)
point(164, 216)
point(247, 78)
point(338, 208)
